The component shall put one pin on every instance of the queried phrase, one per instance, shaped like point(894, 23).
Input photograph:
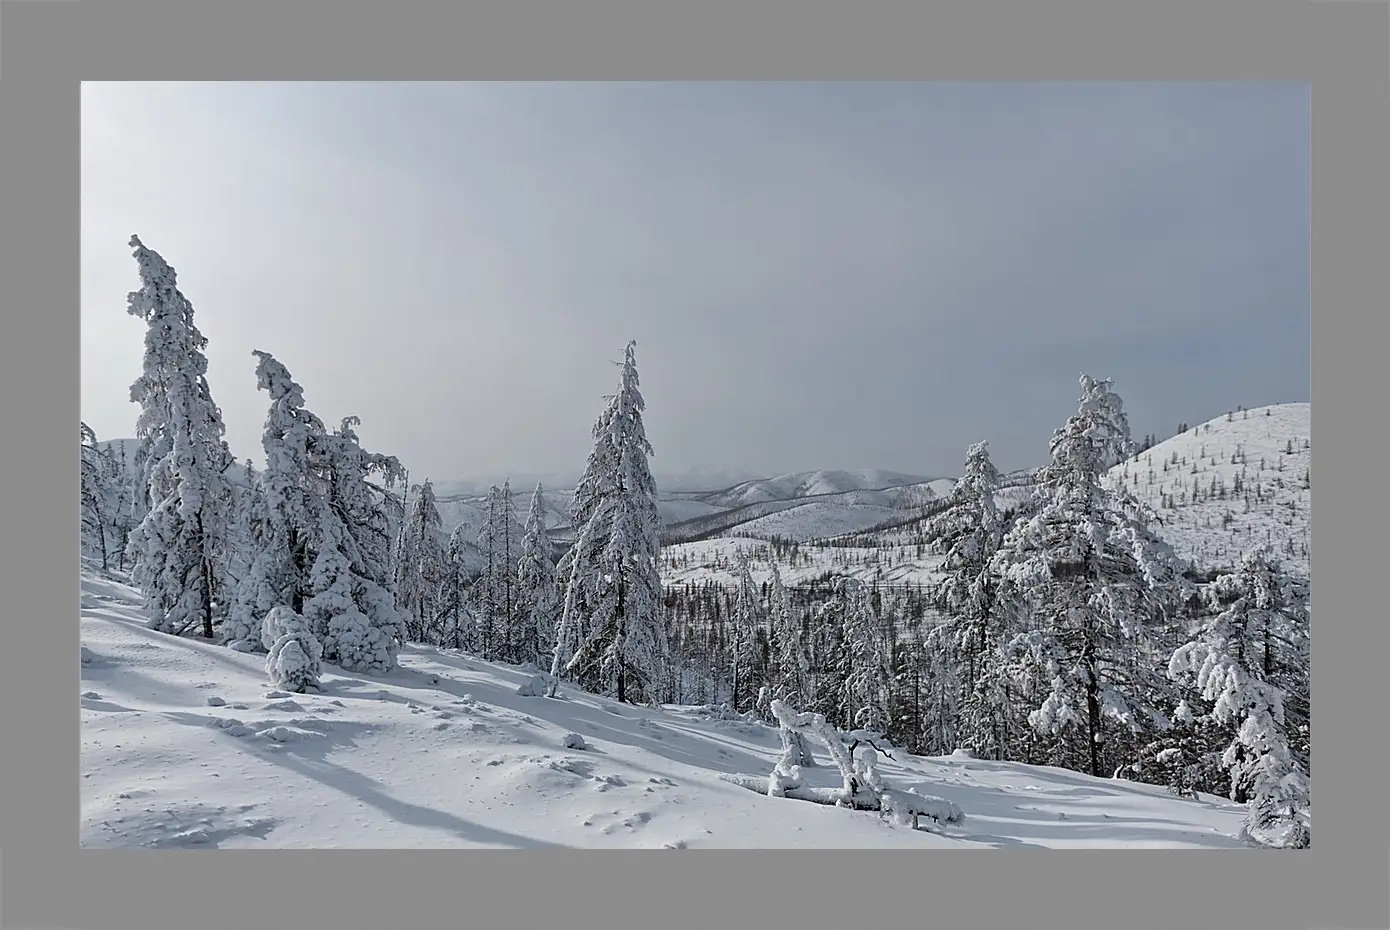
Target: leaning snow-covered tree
point(283, 522)
point(178, 549)
point(98, 479)
point(1256, 635)
point(1091, 577)
point(612, 575)
point(536, 586)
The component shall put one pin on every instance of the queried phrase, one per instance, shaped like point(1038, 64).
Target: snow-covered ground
point(184, 744)
point(1267, 448)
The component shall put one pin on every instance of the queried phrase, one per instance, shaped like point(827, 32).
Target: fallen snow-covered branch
point(862, 787)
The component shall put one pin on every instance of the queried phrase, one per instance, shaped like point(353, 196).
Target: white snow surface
point(186, 745)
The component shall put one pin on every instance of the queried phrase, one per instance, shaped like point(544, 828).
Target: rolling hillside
point(1232, 483)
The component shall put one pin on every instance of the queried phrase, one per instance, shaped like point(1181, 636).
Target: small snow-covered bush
point(293, 663)
point(574, 741)
point(535, 686)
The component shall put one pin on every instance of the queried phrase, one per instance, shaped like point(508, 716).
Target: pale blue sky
point(818, 275)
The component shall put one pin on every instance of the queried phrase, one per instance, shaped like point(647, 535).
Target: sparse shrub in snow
point(293, 662)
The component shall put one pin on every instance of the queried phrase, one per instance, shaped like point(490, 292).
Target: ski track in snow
point(186, 745)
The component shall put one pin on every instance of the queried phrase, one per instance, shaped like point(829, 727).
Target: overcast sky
point(818, 276)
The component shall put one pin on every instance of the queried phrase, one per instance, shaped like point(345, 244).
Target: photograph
point(695, 465)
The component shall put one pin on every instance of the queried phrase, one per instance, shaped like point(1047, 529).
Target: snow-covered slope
point(816, 520)
point(184, 745)
point(1250, 471)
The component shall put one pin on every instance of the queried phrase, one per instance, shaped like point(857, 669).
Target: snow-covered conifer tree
point(1257, 630)
point(458, 629)
point(96, 497)
point(612, 574)
point(536, 586)
point(867, 669)
point(420, 565)
point(283, 521)
point(792, 667)
point(497, 596)
point(353, 608)
point(1089, 576)
point(179, 548)
point(969, 534)
point(746, 619)
point(293, 651)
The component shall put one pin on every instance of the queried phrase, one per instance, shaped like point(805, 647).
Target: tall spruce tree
point(420, 564)
point(353, 608)
point(612, 574)
point(969, 534)
point(178, 549)
point(536, 586)
point(1090, 577)
point(284, 522)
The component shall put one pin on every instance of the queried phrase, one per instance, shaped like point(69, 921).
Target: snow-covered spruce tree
point(746, 619)
point(178, 549)
point(612, 574)
point(536, 586)
point(791, 665)
point(969, 534)
point(1090, 577)
point(353, 608)
point(293, 651)
point(420, 564)
point(456, 626)
point(1236, 663)
point(283, 522)
point(868, 666)
point(249, 501)
point(498, 586)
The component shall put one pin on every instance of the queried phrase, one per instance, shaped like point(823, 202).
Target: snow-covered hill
point(816, 520)
point(1237, 481)
point(809, 484)
point(184, 745)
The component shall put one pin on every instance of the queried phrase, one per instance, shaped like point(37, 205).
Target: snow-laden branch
point(862, 787)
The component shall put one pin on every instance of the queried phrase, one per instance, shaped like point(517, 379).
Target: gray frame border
point(1339, 48)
